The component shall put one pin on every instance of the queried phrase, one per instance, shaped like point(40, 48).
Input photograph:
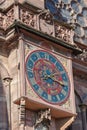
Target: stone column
point(22, 65)
point(83, 112)
point(7, 83)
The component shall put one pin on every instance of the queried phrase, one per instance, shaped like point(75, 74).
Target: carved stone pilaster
point(44, 116)
point(22, 112)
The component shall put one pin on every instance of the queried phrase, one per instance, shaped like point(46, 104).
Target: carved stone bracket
point(44, 116)
point(22, 112)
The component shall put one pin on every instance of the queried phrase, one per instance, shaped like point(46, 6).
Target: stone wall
point(9, 89)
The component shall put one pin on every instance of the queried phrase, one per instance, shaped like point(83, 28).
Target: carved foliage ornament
point(27, 17)
point(43, 22)
point(63, 33)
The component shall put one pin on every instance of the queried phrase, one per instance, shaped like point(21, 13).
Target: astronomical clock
point(47, 77)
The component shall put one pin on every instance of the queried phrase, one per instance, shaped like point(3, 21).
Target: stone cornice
point(39, 22)
point(16, 29)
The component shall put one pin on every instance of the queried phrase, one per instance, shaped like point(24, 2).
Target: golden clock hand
point(57, 81)
point(46, 76)
point(52, 77)
point(54, 74)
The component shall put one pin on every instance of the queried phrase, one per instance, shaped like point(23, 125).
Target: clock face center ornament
point(47, 76)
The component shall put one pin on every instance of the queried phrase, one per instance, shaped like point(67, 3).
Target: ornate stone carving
point(28, 18)
point(63, 33)
point(2, 1)
point(44, 116)
point(46, 22)
point(82, 56)
point(22, 112)
point(43, 22)
point(9, 18)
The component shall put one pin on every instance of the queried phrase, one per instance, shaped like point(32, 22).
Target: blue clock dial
point(47, 77)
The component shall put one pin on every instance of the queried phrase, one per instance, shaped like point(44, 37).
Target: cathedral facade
point(43, 65)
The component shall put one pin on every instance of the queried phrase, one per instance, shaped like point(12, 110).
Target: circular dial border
point(47, 76)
